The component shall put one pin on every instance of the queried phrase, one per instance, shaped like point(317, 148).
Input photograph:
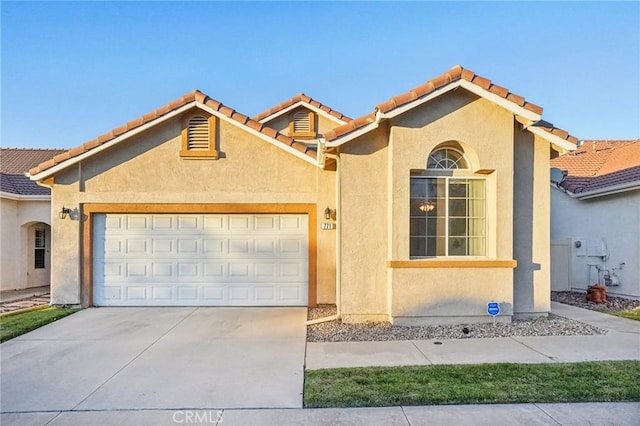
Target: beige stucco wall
point(148, 169)
point(16, 245)
point(448, 296)
point(485, 132)
point(363, 218)
point(532, 241)
point(375, 216)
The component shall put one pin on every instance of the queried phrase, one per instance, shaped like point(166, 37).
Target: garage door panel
point(200, 260)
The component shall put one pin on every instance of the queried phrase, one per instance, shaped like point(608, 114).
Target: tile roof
point(598, 164)
point(195, 96)
point(300, 98)
point(550, 128)
point(15, 162)
point(454, 74)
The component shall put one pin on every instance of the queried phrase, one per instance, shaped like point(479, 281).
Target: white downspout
point(338, 314)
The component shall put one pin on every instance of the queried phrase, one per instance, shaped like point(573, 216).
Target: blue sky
point(72, 71)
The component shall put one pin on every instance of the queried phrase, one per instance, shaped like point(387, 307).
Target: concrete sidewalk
point(622, 342)
point(25, 293)
point(19, 300)
point(610, 413)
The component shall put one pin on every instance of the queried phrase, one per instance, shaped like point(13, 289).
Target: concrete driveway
point(158, 358)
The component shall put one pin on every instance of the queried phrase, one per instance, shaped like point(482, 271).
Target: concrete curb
point(23, 310)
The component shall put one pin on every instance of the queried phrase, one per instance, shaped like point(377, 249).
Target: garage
point(200, 259)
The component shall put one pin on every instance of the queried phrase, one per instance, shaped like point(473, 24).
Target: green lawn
point(473, 384)
point(13, 325)
point(633, 314)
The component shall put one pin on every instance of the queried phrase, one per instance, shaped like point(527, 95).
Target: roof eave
point(74, 160)
point(261, 135)
point(499, 100)
point(608, 190)
point(560, 144)
point(473, 88)
point(23, 197)
point(341, 140)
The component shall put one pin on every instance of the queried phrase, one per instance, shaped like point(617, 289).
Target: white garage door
point(200, 260)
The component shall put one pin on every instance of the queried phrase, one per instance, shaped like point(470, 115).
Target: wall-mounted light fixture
point(427, 206)
point(64, 212)
point(329, 214)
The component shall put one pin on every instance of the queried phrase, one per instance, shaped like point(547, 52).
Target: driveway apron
point(158, 358)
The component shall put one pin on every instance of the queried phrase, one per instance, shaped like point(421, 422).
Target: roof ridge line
point(193, 96)
point(301, 97)
point(454, 74)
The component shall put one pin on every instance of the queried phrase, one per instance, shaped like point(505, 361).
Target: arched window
point(447, 212)
point(447, 158)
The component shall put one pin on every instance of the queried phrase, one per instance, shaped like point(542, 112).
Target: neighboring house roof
point(455, 77)
point(298, 99)
point(15, 162)
point(195, 98)
point(600, 167)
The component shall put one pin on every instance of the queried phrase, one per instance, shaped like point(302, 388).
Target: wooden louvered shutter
point(198, 134)
point(302, 124)
point(198, 137)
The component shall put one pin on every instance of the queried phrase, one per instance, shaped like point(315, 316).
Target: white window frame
point(447, 217)
point(39, 245)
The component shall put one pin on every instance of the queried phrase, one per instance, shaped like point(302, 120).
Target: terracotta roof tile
point(351, 126)
point(300, 98)
point(95, 143)
point(481, 81)
point(284, 139)
point(599, 164)
point(120, 130)
point(241, 118)
point(386, 106)
point(171, 106)
point(255, 125)
point(454, 74)
point(516, 99)
point(270, 132)
point(61, 157)
point(549, 127)
point(301, 147)
point(499, 90)
point(212, 103)
point(226, 110)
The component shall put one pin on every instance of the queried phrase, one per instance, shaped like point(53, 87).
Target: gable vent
point(301, 122)
point(198, 134)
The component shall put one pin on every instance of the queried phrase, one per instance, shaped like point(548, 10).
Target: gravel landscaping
point(336, 331)
point(579, 299)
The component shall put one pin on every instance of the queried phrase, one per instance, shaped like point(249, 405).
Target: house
point(595, 217)
point(25, 219)
point(422, 211)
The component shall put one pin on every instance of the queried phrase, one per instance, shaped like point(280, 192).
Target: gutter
point(338, 314)
point(609, 190)
point(20, 197)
